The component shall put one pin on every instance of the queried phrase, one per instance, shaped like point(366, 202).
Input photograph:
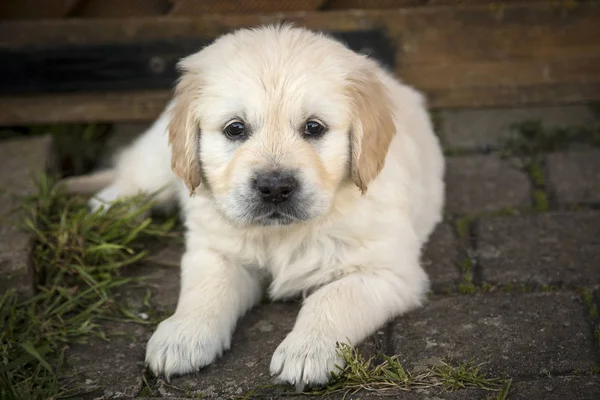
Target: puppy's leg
point(214, 294)
point(348, 309)
point(143, 167)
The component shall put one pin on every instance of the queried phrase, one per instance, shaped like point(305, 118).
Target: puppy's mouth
point(277, 217)
point(278, 214)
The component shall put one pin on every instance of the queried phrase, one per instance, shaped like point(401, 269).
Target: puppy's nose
point(275, 186)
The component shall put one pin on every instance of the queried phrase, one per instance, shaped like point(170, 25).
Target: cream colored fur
point(373, 184)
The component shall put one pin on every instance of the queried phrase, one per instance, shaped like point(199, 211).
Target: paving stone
point(549, 248)
point(161, 273)
point(160, 283)
point(114, 369)
point(555, 388)
point(110, 369)
point(433, 394)
point(414, 394)
point(441, 258)
point(485, 128)
point(575, 176)
point(558, 388)
point(509, 334)
point(246, 365)
point(21, 160)
point(479, 183)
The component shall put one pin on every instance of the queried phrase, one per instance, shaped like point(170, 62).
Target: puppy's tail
point(88, 184)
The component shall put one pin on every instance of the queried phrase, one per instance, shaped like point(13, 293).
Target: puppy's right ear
point(184, 132)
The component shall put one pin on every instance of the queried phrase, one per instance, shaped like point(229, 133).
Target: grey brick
point(21, 161)
point(110, 369)
point(558, 388)
point(413, 394)
point(246, 365)
point(163, 284)
point(562, 247)
point(441, 258)
point(161, 272)
point(483, 128)
point(485, 183)
point(114, 369)
point(513, 334)
point(575, 176)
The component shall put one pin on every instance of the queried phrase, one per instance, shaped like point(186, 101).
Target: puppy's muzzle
point(277, 198)
point(275, 187)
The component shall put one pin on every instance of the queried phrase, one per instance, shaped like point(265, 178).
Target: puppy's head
point(274, 121)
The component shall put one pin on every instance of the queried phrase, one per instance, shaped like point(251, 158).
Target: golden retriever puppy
point(298, 164)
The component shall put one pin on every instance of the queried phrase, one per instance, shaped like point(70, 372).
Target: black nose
point(275, 186)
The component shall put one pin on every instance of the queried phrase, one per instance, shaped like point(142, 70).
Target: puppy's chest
point(300, 263)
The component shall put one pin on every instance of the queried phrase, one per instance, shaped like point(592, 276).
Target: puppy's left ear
point(184, 133)
point(372, 126)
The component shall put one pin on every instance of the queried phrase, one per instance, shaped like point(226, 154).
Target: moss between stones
point(436, 121)
point(595, 370)
point(486, 287)
point(147, 392)
point(531, 139)
point(588, 300)
point(463, 226)
point(540, 200)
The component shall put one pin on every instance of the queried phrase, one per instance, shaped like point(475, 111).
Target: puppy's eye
point(235, 130)
point(313, 129)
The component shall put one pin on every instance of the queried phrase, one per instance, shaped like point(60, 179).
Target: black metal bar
point(134, 66)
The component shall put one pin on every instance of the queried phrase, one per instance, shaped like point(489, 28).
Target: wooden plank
point(519, 54)
point(141, 65)
point(103, 107)
point(190, 8)
point(35, 9)
point(390, 4)
point(121, 8)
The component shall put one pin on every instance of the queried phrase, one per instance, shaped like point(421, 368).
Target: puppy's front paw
point(181, 345)
point(305, 360)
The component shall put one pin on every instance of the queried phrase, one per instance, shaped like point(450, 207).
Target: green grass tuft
point(488, 287)
point(549, 288)
point(78, 259)
point(467, 288)
point(359, 373)
point(504, 391)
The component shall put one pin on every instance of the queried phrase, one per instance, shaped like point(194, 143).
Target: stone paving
point(515, 285)
point(20, 160)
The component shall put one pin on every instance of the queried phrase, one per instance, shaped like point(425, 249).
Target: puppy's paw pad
point(182, 345)
point(305, 360)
